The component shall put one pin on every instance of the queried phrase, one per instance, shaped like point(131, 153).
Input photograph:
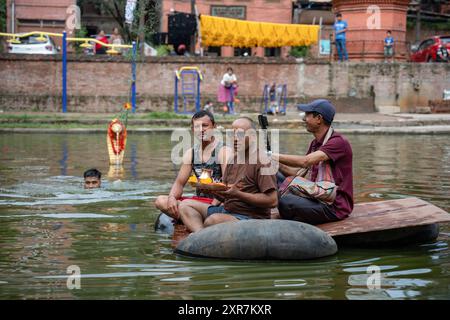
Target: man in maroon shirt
point(319, 115)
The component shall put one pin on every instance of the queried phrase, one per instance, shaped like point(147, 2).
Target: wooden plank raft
point(386, 215)
point(388, 223)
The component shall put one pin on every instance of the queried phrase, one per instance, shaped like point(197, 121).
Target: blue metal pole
point(64, 73)
point(198, 107)
point(176, 95)
point(133, 77)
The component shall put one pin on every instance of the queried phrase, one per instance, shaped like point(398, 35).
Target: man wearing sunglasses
point(252, 185)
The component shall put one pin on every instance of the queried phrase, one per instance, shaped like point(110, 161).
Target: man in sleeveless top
point(252, 192)
point(208, 154)
point(319, 115)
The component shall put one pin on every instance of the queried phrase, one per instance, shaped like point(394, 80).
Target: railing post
point(64, 72)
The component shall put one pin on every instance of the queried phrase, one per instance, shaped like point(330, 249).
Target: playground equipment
point(15, 38)
point(189, 78)
point(274, 99)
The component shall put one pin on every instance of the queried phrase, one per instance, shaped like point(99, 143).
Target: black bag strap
point(302, 172)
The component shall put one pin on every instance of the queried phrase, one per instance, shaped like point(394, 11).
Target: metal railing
point(373, 49)
point(15, 36)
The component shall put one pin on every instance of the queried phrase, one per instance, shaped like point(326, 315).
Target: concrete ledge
point(291, 121)
point(388, 109)
point(367, 131)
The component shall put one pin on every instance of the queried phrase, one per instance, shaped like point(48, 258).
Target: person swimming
point(92, 179)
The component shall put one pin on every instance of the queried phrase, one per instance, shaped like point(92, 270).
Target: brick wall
point(39, 15)
point(101, 84)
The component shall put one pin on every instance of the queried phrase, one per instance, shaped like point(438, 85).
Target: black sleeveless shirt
point(212, 164)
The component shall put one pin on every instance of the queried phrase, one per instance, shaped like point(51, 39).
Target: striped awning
point(217, 31)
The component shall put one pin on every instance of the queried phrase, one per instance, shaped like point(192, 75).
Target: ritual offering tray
point(207, 183)
point(214, 186)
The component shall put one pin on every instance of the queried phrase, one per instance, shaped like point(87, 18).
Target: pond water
point(49, 222)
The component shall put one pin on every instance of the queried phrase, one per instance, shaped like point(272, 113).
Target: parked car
point(436, 49)
point(31, 45)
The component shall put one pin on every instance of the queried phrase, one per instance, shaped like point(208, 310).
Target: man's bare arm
point(183, 176)
point(287, 171)
point(260, 200)
point(301, 161)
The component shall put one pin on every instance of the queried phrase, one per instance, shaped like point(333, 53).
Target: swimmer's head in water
point(92, 179)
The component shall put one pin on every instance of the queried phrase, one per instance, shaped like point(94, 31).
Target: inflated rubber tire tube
point(164, 224)
point(259, 240)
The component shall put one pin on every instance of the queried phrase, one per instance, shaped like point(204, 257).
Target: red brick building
point(275, 11)
point(368, 22)
point(33, 15)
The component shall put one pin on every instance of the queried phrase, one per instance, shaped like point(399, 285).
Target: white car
point(31, 45)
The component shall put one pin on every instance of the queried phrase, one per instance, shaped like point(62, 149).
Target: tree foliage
point(146, 20)
point(2, 15)
point(2, 23)
point(299, 52)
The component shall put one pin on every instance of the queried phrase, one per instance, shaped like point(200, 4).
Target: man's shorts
point(220, 209)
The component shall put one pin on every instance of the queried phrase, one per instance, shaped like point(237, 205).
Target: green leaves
point(299, 52)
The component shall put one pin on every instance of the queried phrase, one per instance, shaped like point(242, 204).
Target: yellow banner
point(217, 32)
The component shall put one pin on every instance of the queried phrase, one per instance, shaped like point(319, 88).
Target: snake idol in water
point(116, 139)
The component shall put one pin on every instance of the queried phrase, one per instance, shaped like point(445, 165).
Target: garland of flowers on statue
point(118, 136)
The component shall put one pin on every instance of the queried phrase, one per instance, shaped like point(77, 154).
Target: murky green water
point(48, 222)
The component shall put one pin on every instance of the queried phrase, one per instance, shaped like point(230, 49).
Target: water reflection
point(63, 161)
point(134, 162)
point(48, 222)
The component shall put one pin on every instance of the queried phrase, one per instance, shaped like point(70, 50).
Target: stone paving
point(292, 122)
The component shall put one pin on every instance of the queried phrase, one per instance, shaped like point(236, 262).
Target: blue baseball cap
point(321, 106)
